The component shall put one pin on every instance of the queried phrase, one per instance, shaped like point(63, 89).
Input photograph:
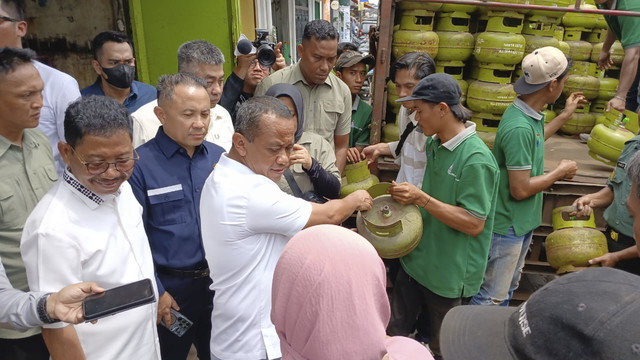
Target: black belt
point(193, 274)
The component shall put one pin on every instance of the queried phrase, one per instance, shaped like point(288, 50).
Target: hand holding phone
point(118, 299)
point(179, 323)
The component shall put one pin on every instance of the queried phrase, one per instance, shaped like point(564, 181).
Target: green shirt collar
point(452, 144)
point(356, 103)
point(526, 109)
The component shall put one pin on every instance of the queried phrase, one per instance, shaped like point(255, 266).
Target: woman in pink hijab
point(329, 300)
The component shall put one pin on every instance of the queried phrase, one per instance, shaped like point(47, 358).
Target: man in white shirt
point(246, 222)
point(60, 89)
point(409, 152)
point(89, 227)
point(203, 60)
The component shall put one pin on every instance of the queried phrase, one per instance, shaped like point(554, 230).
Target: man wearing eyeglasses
point(89, 227)
point(244, 79)
point(115, 65)
point(167, 182)
point(27, 172)
point(60, 88)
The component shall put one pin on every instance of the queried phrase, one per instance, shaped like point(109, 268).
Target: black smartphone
point(118, 299)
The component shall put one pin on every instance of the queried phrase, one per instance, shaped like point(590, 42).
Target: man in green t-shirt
point(519, 151)
point(457, 202)
point(627, 30)
point(352, 68)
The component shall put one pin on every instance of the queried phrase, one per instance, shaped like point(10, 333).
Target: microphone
point(244, 46)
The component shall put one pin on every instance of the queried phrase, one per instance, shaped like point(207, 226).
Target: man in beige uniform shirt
point(28, 172)
point(327, 100)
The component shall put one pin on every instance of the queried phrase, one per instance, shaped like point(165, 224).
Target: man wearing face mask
point(115, 65)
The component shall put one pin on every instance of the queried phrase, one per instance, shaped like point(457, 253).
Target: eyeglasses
point(99, 167)
point(6, 18)
point(256, 63)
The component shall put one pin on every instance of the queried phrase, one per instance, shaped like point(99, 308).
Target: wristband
point(43, 315)
point(620, 98)
point(426, 203)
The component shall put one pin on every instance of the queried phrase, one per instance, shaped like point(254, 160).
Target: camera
point(265, 54)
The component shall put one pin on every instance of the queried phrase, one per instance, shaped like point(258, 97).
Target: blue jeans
point(506, 259)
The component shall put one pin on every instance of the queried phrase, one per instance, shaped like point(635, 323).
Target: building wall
point(60, 31)
point(160, 26)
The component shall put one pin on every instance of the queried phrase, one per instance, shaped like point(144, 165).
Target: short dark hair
point(168, 83)
point(15, 8)
point(320, 29)
point(11, 58)
point(421, 64)
point(251, 111)
point(198, 52)
point(459, 112)
point(106, 36)
point(95, 115)
point(345, 45)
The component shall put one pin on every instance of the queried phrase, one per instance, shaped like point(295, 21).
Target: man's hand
point(280, 63)
point(608, 260)
point(617, 103)
point(584, 204)
point(567, 169)
point(300, 155)
point(66, 305)
point(354, 155)
point(573, 101)
point(361, 199)
point(244, 62)
point(165, 303)
point(372, 152)
point(604, 60)
point(405, 193)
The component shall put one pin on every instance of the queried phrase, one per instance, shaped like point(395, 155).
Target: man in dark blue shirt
point(167, 181)
point(115, 65)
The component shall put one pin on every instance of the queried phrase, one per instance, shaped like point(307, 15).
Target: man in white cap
point(519, 151)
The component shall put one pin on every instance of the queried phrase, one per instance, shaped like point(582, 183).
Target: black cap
point(591, 314)
point(436, 88)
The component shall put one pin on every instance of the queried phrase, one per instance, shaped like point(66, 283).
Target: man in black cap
point(352, 68)
point(458, 199)
point(590, 314)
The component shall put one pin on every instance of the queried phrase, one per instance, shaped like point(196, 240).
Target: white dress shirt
point(246, 223)
point(146, 124)
point(60, 90)
point(75, 235)
point(413, 156)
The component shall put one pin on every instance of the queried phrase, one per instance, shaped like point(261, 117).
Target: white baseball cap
point(539, 68)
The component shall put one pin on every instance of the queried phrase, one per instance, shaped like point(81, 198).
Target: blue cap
point(436, 88)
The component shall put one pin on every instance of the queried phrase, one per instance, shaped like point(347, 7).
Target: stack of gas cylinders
point(482, 47)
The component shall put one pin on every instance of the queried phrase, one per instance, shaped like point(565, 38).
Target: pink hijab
point(329, 300)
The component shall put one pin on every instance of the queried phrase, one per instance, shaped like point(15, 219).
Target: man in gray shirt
point(20, 310)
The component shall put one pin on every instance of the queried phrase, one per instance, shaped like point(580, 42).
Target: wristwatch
point(43, 315)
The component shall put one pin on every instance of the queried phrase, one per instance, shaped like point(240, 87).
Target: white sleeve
point(273, 211)
point(68, 93)
point(52, 261)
